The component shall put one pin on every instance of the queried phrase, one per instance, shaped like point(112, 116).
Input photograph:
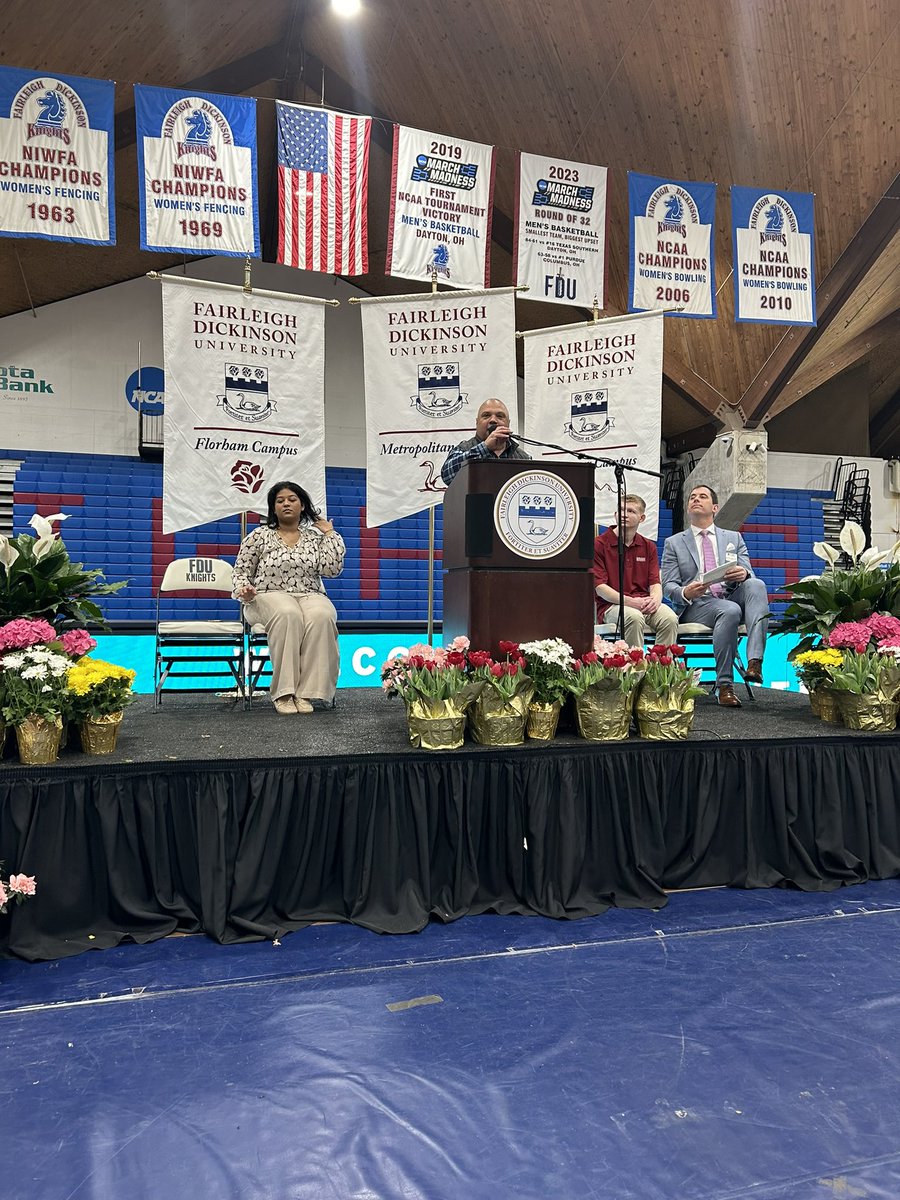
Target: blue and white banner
point(596, 387)
point(197, 172)
point(560, 243)
point(441, 208)
point(56, 157)
point(671, 246)
point(774, 280)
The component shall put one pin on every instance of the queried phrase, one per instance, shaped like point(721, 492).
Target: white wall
point(816, 471)
point(86, 348)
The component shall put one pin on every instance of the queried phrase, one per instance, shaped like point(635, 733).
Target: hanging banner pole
point(454, 295)
point(651, 312)
point(434, 288)
point(245, 288)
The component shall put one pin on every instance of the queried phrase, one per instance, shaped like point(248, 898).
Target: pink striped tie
point(709, 561)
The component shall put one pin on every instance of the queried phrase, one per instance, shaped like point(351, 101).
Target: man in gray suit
point(739, 596)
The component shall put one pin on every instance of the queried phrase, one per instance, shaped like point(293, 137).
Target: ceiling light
point(346, 8)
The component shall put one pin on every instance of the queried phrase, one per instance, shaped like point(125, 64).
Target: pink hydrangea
point(22, 633)
point(849, 633)
point(78, 642)
point(882, 625)
point(890, 643)
point(460, 644)
point(4, 896)
point(23, 884)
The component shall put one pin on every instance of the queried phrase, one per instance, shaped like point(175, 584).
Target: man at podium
point(491, 440)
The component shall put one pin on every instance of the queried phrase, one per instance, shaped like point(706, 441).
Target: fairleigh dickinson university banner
point(197, 172)
point(560, 244)
point(56, 157)
point(245, 400)
point(441, 208)
point(429, 363)
point(671, 245)
point(597, 388)
point(774, 280)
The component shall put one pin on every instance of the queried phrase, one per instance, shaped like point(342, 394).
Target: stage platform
point(246, 824)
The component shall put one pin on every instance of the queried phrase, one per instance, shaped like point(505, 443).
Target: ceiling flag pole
point(236, 287)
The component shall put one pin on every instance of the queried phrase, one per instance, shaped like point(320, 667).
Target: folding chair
point(185, 645)
point(697, 642)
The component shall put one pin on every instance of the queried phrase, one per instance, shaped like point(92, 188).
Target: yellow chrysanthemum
point(819, 658)
point(88, 672)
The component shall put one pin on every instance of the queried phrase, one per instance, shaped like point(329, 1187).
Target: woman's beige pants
point(303, 643)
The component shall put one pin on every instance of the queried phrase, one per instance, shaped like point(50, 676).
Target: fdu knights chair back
point(192, 648)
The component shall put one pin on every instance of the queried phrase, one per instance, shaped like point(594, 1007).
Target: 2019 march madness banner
point(56, 157)
point(441, 208)
point(670, 262)
point(197, 172)
point(774, 279)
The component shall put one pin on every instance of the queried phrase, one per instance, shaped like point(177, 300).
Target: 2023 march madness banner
point(56, 157)
point(441, 208)
point(774, 279)
point(596, 387)
point(560, 242)
point(670, 262)
point(197, 172)
point(245, 399)
point(429, 363)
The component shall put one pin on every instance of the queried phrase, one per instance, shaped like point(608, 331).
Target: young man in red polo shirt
point(644, 608)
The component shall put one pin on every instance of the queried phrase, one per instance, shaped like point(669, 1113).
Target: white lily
point(42, 547)
point(894, 552)
point(873, 557)
point(8, 552)
point(827, 552)
point(43, 526)
point(853, 540)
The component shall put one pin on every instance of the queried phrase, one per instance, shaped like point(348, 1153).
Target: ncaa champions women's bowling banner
point(56, 157)
point(774, 279)
point(429, 363)
point(560, 243)
point(671, 253)
point(597, 388)
point(197, 172)
point(245, 399)
point(441, 205)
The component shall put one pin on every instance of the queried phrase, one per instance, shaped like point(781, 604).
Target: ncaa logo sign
point(536, 514)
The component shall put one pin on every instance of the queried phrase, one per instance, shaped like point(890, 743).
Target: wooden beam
point(864, 249)
point(844, 356)
point(694, 389)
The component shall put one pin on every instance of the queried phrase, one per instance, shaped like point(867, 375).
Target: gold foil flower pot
point(498, 721)
point(664, 718)
point(603, 712)
point(437, 724)
point(871, 714)
point(38, 739)
point(824, 703)
point(543, 720)
point(100, 734)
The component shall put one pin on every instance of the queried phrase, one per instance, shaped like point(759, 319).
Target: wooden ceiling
point(787, 94)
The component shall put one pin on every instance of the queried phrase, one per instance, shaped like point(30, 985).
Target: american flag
point(323, 178)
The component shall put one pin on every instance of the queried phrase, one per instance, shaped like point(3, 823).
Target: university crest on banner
point(438, 393)
point(57, 156)
point(773, 239)
point(589, 418)
point(246, 395)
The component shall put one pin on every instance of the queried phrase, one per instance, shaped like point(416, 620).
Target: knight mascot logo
point(773, 218)
point(49, 108)
point(440, 260)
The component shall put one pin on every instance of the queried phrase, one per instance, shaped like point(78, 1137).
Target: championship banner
point(197, 172)
point(56, 157)
point(597, 388)
point(429, 363)
point(670, 261)
point(441, 208)
point(560, 242)
point(245, 399)
point(774, 280)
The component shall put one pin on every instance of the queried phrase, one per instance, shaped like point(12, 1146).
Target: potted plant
point(34, 696)
point(498, 716)
point(98, 694)
point(812, 667)
point(38, 579)
point(549, 665)
point(665, 702)
point(867, 686)
point(604, 683)
point(437, 690)
point(15, 889)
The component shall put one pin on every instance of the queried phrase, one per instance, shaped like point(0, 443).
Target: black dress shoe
point(753, 674)
point(727, 698)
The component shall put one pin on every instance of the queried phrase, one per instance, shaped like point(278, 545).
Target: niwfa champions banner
point(56, 157)
point(429, 362)
point(245, 393)
point(560, 244)
point(671, 253)
point(441, 207)
point(197, 172)
point(597, 388)
point(773, 256)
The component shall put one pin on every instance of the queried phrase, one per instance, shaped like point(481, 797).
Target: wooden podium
point(493, 590)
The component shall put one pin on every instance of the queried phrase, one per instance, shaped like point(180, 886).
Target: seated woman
point(278, 578)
